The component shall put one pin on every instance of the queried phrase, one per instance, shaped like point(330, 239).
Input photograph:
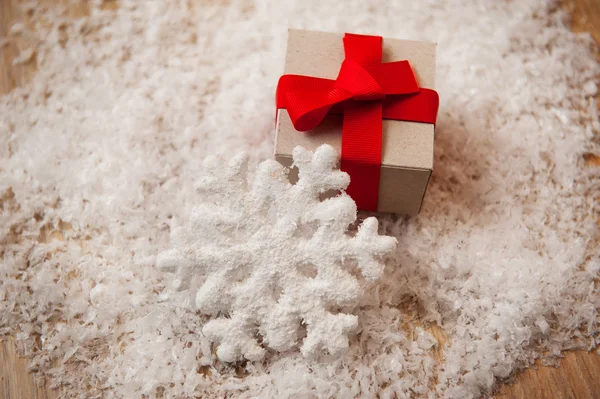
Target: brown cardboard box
point(407, 147)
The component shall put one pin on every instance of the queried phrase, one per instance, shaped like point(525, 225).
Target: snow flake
point(277, 260)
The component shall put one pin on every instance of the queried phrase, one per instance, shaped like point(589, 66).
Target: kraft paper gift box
point(406, 147)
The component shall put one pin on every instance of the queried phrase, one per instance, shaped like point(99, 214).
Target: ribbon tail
point(361, 152)
point(308, 99)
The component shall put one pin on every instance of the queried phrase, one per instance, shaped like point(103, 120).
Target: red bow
point(365, 91)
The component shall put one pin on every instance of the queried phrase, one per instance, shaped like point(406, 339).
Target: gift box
point(373, 100)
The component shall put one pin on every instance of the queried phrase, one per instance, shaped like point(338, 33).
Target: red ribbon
point(365, 91)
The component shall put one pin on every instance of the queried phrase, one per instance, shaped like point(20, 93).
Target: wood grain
point(15, 380)
point(586, 16)
point(577, 378)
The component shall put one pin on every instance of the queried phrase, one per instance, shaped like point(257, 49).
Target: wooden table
point(578, 376)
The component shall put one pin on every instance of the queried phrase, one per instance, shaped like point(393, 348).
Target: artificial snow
point(24, 56)
point(101, 154)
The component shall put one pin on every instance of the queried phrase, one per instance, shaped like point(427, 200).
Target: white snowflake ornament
point(277, 262)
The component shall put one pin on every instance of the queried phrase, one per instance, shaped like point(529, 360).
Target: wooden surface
point(577, 378)
point(16, 382)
